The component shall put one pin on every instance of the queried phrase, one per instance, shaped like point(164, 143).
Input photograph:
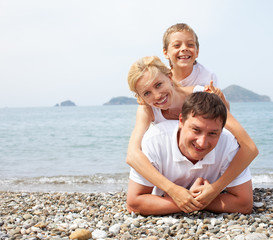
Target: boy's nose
point(183, 47)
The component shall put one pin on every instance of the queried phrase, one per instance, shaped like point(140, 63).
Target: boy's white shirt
point(199, 76)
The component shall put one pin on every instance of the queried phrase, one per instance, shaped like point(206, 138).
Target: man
point(192, 152)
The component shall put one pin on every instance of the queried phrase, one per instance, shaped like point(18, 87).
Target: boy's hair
point(179, 27)
point(152, 64)
point(207, 105)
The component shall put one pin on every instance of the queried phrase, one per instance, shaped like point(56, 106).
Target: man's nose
point(202, 141)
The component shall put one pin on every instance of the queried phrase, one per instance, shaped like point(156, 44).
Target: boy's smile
point(182, 50)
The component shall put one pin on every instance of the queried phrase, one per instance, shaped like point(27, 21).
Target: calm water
point(84, 148)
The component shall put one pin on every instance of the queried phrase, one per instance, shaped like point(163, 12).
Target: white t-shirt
point(159, 144)
point(199, 76)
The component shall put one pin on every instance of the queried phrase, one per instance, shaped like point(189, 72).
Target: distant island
point(233, 93)
point(121, 101)
point(66, 103)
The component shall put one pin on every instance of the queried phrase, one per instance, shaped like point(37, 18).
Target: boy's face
point(157, 92)
point(198, 136)
point(182, 50)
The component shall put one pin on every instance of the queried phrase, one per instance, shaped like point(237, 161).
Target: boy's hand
point(211, 89)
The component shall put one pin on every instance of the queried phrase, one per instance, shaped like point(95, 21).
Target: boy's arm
point(235, 199)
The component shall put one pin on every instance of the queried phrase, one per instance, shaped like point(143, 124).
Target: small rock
point(99, 234)
point(81, 234)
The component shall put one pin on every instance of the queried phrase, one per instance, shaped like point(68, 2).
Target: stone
point(81, 234)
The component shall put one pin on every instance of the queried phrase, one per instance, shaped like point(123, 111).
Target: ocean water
point(83, 149)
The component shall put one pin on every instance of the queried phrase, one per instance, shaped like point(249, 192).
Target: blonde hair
point(152, 64)
point(179, 27)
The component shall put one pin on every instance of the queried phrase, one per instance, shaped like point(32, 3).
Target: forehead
point(204, 123)
point(182, 35)
point(148, 79)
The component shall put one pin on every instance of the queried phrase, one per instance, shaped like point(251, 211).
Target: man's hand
point(184, 199)
point(203, 191)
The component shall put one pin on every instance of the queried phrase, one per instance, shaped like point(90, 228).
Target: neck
point(181, 73)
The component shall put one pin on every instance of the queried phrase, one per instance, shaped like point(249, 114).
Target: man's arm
point(140, 199)
point(235, 199)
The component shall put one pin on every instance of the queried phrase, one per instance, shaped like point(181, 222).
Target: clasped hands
point(200, 195)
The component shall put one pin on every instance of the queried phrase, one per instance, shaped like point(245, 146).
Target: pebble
point(59, 216)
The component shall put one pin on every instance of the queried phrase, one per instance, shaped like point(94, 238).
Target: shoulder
point(227, 141)
point(161, 130)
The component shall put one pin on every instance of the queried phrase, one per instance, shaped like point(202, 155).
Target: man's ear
point(180, 120)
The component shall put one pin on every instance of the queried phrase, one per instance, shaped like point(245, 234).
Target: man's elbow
point(132, 207)
point(246, 206)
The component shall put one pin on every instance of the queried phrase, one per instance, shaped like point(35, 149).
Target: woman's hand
point(203, 191)
point(184, 199)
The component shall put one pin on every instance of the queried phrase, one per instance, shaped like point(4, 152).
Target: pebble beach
point(55, 215)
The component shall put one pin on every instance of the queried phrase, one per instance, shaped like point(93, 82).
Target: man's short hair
point(208, 105)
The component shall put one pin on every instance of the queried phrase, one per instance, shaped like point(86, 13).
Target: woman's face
point(158, 92)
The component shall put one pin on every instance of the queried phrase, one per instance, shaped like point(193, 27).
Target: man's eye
point(195, 129)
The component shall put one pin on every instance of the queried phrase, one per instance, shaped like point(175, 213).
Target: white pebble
point(114, 229)
point(97, 234)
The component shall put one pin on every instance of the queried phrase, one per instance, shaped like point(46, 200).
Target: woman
point(162, 99)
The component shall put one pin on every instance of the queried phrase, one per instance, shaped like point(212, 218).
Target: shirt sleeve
point(150, 149)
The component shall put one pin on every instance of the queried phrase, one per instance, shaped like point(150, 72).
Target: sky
point(57, 50)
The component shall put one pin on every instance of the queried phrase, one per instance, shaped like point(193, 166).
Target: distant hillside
point(121, 101)
point(236, 93)
point(233, 93)
point(66, 103)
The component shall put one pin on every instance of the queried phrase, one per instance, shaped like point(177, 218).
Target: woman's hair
point(152, 64)
point(207, 105)
point(179, 27)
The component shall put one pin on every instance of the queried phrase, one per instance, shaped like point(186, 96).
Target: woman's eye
point(146, 94)
point(158, 85)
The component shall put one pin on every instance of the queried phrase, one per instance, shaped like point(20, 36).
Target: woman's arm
point(137, 160)
point(245, 155)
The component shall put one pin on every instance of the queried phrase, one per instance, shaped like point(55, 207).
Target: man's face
point(198, 136)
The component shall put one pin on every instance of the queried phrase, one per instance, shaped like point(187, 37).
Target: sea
point(83, 149)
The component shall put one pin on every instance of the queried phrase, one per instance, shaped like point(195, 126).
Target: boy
point(191, 153)
point(181, 48)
